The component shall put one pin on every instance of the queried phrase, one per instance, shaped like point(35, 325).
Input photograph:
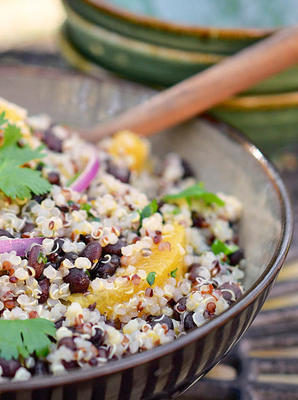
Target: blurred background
point(266, 361)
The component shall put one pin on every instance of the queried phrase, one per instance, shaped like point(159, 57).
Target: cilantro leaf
point(20, 182)
point(173, 273)
point(195, 191)
point(151, 278)
point(25, 337)
point(16, 181)
point(149, 210)
point(3, 120)
point(220, 247)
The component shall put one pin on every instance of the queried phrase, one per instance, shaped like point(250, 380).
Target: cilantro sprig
point(220, 247)
point(151, 278)
point(148, 210)
point(25, 337)
point(15, 179)
point(196, 191)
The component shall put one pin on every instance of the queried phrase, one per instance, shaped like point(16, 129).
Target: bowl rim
point(162, 52)
point(178, 28)
point(249, 296)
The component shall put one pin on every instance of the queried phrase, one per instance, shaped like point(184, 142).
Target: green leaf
point(12, 134)
point(3, 120)
point(149, 210)
point(195, 191)
point(20, 182)
point(14, 180)
point(173, 273)
point(25, 337)
point(73, 179)
point(151, 278)
point(220, 247)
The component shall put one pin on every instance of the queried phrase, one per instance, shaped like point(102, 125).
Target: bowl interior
point(237, 13)
point(222, 161)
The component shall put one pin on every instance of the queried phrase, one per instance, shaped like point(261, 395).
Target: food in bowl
point(105, 251)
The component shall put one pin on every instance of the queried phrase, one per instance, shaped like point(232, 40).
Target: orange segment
point(163, 262)
point(128, 145)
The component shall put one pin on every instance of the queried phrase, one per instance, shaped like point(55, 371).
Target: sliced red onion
point(21, 246)
point(89, 173)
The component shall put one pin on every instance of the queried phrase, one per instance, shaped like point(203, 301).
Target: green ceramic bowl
point(196, 25)
point(269, 120)
point(150, 63)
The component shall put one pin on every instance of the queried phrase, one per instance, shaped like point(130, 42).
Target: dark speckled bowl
point(225, 161)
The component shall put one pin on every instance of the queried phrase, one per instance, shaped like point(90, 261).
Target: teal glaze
point(150, 66)
point(270, 129)
point(185, 41)
point(219, 13)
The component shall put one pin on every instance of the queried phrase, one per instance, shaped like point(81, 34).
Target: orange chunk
point(166, 257)
point(131, 147)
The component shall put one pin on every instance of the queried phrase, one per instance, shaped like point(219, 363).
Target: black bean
point(198, 220)
point(104, 269)
point(120, 173)
point(28, 227)
point(52, 141)
point(92, 251)
point(67, 342)
point(189, 322)
point(58, 244)
point(103, 352)
point(54, 178)
point(64, 209)
point(35, 260)
point(236, 257)
point(78, 280)
point(115, 248)
point(93, 362)
point(193, 272)
point(70, 364)
point(44, 285)
point(5, 233)
point(188, 171)
point(231, 292)
point(98, 338)
point(39, 198)
point(40, 368)
point(9, 367)
point(162, 319)
point(181, 305)
point(59, 322)
point(71, 255)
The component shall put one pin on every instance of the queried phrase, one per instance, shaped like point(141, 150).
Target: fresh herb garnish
point(173, 273)
point(195, 191)
point(96, 219)
point(176, 211)
point(220, 247)
point(42, 258)
point(25, 337)
point(151, 278)
point(73, 178)
point(149, 210)
point(16, 180)
point(87, 207)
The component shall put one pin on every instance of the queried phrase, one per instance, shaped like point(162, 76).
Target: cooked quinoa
point(124, 265)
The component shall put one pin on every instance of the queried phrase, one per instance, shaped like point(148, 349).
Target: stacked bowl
point(163, 42)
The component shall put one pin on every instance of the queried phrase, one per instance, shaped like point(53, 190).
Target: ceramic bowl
point(149, 62)
point(142, 58)
point(226, 162)
point(271, 121)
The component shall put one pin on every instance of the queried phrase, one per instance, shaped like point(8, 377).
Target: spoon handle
point(206, 89)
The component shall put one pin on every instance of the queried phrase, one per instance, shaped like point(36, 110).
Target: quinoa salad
point(105, 251)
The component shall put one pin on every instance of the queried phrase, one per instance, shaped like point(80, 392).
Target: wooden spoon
point(206, 89)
